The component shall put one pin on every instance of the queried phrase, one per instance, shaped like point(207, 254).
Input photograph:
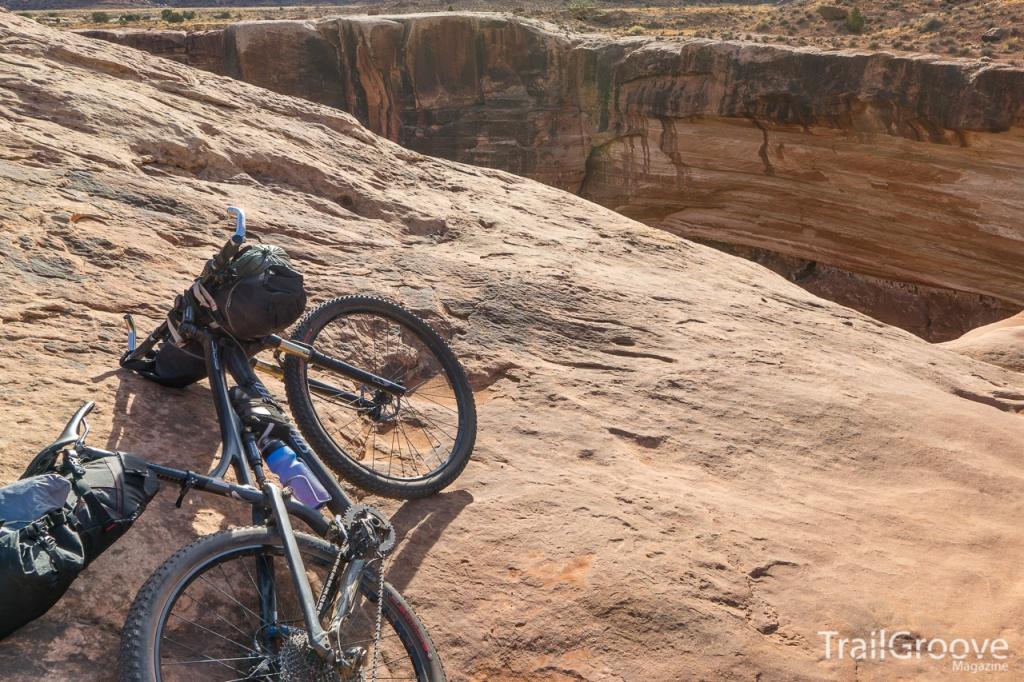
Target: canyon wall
point(896, 179)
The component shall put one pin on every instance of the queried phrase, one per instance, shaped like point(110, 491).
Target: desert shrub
point(930, 25)
point(855, 21)
point(172, 17)
point(581, 9)
point(188, 16)
point(222, 15)
point(129, 18)
point(635, 30)
point(100, 17)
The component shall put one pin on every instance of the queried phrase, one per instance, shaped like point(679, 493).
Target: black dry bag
point(53, 525)
point(263, 294)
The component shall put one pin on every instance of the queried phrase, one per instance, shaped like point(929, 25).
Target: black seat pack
point(52, 526)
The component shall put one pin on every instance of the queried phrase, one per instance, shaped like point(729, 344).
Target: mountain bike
point(375, 390)
point(266, 601)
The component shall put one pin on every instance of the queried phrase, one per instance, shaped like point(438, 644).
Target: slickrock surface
point(687, 466)
point(901, 168)
point(1001, 343)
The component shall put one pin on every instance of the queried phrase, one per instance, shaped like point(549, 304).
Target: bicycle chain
point(380, 618)
point(388, 543)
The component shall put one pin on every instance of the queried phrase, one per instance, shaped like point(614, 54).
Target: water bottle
point(295, 474)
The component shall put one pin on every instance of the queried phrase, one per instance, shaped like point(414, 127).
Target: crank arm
point(315, 633)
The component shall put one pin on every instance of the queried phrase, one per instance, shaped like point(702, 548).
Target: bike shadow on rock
point(175, 427)
point(178, 428)
point(419, 524)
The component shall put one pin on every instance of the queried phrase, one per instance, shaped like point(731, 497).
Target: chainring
point(358, 512)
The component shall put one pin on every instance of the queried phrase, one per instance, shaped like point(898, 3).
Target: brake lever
point(85, 433)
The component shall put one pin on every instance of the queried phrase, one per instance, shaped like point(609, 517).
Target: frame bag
point(52, 526)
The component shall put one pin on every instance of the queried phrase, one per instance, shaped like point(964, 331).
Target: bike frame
point(240, 453)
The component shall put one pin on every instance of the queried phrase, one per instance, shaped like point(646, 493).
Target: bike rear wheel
point(404, 447)
point(198, 618)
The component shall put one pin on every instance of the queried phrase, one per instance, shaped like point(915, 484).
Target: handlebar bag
point(54, 525)
point(262, 294)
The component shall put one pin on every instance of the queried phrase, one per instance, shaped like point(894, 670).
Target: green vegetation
point(100, 17)
point(222, 15)
point(172, 17)
point(855, 21)
point(635, 30)
point(129, 18)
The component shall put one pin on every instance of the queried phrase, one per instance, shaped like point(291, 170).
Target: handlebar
point(228, 251)
point(239, 236)
point(72, 430)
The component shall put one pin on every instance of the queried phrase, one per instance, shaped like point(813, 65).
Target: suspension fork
point(315, 633)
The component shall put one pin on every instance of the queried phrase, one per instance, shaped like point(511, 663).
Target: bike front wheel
point(405, 446)
point(223, 608)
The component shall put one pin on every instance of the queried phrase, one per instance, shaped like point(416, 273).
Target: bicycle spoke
point(410, 443)
point(215, 634)
point(243, 606)
point(221, 661)
point(425, 419)
point(431, 421)
point(208, 660)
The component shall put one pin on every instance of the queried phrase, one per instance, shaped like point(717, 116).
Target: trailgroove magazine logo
point(963, 654)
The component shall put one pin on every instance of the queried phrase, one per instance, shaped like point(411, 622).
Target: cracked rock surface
point(686, 468)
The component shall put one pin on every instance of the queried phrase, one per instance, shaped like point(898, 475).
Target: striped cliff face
point(889, 184)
